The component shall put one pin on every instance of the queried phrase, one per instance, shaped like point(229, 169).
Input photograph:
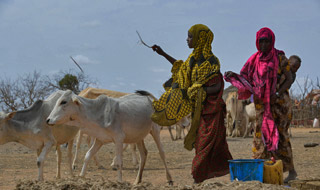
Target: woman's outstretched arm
point(158, 49)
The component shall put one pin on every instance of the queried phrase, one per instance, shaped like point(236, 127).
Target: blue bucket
point(246, 169)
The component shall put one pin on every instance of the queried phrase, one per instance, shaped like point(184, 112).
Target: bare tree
point(32, 88)
point(304, 111)
point(22, 92)
point(304, 90)
point(317, 84)
point(8, 94)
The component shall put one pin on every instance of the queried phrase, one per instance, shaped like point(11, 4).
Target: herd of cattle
point(104, 116)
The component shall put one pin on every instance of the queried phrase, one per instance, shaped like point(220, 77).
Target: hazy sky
point(101, 36)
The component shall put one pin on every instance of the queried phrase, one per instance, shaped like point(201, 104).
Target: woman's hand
point(158, 49)
point(229, 74)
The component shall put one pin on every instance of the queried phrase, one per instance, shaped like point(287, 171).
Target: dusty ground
point(18, 166)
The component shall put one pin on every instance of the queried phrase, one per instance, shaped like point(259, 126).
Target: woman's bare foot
point(292, 176)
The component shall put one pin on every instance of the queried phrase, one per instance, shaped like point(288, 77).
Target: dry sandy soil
point(18, 168)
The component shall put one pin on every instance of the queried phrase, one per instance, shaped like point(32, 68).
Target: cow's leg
point(91, 152)
point(113, 164)
point(183, 127)
point(78, 144)
point(119, 157)
point(143, 157)
point(70, 146)
point(155, 132)
point(229, 126)
point(247, 126)
point(170, 131)
point(39, 150)
point(178, 131)
point(133, 148)
point(90, 141)
point(290, 133)
point(58, 152)
point(42, 156)
point(234, 131)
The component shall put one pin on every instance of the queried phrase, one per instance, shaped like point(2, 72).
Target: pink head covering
point(265, 33)
point(259, 77)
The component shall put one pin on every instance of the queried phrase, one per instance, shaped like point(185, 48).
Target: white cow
point(184, 123)
point(122, 120)
point(29, 128)
point(234, 116)
point(93, 93)
point(249, 115)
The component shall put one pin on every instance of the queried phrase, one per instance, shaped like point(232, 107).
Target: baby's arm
point(287, 83)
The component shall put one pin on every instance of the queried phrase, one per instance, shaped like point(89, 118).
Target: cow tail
point(145, 93)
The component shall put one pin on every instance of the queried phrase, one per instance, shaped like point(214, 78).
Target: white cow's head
point(65, 110)
point(4, 118)
point(185, 121)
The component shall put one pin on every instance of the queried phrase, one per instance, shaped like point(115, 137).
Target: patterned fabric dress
point(188, 77)
point(185, 94)
point(282, 114)
point(259, 77)
point(212, 152)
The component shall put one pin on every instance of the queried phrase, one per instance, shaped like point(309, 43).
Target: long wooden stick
point(77, 64)
point(142, 40)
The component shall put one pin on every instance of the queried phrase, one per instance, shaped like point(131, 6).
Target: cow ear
point(10, 115)
point(76, 101)
point(111, 110)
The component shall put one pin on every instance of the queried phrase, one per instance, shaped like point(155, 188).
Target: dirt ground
point(18, 166)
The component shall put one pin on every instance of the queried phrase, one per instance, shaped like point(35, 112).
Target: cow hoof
point(170, 183)
point(136, 183)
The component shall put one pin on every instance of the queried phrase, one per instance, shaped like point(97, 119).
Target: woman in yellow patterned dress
point(196, 86)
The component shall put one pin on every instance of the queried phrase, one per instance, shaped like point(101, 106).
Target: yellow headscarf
point(191, 69)
point(186, 94)
point(202, 38)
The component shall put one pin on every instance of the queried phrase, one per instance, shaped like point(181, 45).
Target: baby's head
point(295, 63)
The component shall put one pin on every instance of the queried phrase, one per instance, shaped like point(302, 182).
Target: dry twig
point(77, 64)
point(142, 40)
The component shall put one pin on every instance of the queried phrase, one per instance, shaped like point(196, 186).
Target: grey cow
point(28, 127)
